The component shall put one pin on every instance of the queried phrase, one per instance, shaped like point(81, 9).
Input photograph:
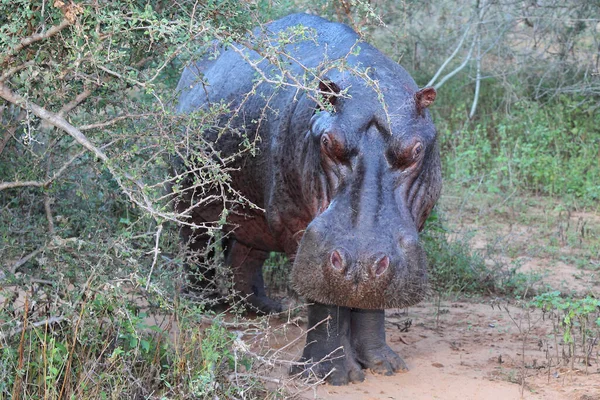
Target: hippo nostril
point(381, 265)
point(337, 261)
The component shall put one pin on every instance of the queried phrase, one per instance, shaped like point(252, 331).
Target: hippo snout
point(342, 265)
point(360, 269)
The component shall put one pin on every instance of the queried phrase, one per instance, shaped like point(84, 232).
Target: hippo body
point(345, 173)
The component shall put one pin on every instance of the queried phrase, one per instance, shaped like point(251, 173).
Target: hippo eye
point(417, 149)
point(325, 140)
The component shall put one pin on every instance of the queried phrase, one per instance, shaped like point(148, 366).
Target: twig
point(35, 38)
point(112, 121)
point(11, 131)
point(52, 118)
point(482, 9)
point(44, 184)
point(47, 321)
point(48, 210)
point(253, 376)
point(458, 47)
point(47, 201)
point(28, 257)
point(16, 388)
point(54, 244)
point(117, 75)
point(11, 71)
point(72, 350)
point(80, 98)
point(457, 69)
point(156, 252)
point(477, 79)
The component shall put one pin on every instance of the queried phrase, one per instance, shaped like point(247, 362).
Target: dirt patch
point(463, 350)
point(470, 350)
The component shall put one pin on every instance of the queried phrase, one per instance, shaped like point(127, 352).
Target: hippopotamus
point(344, 173)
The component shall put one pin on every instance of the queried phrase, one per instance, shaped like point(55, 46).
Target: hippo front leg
point(367, 332)
point(328, 352)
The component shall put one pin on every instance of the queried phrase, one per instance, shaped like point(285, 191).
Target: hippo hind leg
point(201, 277)
point(368, 343)
point(246, 263)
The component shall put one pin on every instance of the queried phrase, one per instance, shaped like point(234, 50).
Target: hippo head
point(374, 164)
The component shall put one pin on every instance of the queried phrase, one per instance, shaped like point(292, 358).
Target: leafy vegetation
point(92, 280)
point(528, 148)
point(575, 320)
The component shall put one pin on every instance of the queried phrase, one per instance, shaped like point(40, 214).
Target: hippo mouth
point(393, 283)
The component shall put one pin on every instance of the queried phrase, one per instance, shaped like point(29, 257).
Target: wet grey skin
point(345, 188)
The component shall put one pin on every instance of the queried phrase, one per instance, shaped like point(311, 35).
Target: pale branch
point(61, 123)
point(457, 69)
point(17, 184)
point(47, 182)
point(16, 331)
point(11, 71)
point(113, 121)
point(454, 53)
point(80, 98)
point(28, 257)
point(53, 244)
point(117, 75)
point(67, 108)
point(156, 252)
point(54, 119)
point(11, 131)
point(477, 79)
point(26, 41)
point(47, 201)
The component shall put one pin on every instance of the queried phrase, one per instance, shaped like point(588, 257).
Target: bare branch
point(156, 252)
point(11, 71)
point(117, 75)
point(17, 184)
point(59, 122)
point(457, 69)
point(52, 118)
point(113, 121)
point(35, 38)
point(11, 131)
point(477, 79)
point(67, 108)
point(47, 201)
point(47, 321)
point(80, 98)
point(454, 53)
point(28, 257)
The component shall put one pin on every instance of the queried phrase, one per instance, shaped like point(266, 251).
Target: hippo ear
point(329, 91)
point(424, 98)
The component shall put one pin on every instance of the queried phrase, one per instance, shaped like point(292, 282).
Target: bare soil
point(490, 348)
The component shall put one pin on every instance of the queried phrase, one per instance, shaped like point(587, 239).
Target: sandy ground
point(483, 348)
point(473, 351)
point(467, 350)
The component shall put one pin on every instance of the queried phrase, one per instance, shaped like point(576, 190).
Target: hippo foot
point(262, 304)
point(368, 342)
point(382, 360)
point(328, 354)
point(336, 371)
point(342, 341)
